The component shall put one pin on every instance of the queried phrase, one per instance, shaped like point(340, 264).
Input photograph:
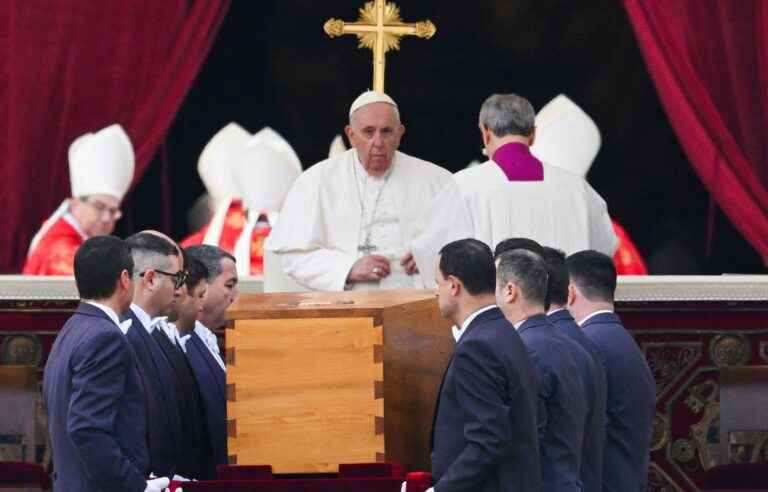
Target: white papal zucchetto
point(370, 97)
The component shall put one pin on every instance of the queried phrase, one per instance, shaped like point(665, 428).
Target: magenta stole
point(517, 162)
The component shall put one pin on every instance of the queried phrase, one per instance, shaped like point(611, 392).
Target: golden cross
point(379, 28)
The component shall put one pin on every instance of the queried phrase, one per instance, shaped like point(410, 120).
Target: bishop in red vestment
point(101, 169)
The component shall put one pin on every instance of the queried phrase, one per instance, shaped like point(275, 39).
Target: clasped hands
point(372, 268)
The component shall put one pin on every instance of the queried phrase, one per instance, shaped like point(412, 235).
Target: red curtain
point(73, 66)
point(709, 62)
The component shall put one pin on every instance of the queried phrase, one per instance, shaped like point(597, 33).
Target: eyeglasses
point(178, 278)
point(102, 208)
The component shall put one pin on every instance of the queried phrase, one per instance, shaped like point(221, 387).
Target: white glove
point(404, 487)
point(179, 478)
point(157, 484)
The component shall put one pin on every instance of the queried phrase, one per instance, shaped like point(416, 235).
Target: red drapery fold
point(708, 61)
point(73, 66)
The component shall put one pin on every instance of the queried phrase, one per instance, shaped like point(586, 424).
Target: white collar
point(211, 343)
point(556, 310)
point(71, 221)
point(363, 176)
point(183, 341)
point(147, 321)
point(519, 323)
point(457, 333)
point(112, 315)
point(602, 311)
point(169, 329)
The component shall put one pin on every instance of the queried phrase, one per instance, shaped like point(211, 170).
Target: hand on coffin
point(409, 264)
point(157, 484)
point(369, 268)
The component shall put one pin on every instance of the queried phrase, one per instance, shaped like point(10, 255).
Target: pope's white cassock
point(562, 210)
point(321, 227)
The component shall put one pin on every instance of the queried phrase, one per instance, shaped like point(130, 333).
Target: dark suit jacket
point(631, 404)
point(211, 380)
point(592, 373)
point(95, 405)
point(562, 404)
point(164, 433)
point(196, 461)
point(484, 431)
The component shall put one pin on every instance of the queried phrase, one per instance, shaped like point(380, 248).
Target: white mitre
point(264, 177)
point(337, 147)
point(214, 159)
point(270, 138)
point(566, 136)
point(100, 163)
point(370, 97)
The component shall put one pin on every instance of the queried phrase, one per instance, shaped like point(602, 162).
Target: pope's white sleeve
point(445, 219)
point(319, 269)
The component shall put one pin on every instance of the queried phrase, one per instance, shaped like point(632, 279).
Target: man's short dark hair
point(594, 274)
point(99, 262)
point(527, 245)
point(210, 256)
point(558, 276)
point(196, 272)
point(146, 241)
point(518, 243)
point(150, 251)
point(528, 271)
point(471, 261)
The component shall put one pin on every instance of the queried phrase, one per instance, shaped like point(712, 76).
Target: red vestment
point(233, 225)
point(231, 229)
point(627, 257)
point(55, 252)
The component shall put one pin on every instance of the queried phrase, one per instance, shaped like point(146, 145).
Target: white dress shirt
point(146, 320)
point(457, 333)
point(593, 315)
point(210, 341)
point(124, 325)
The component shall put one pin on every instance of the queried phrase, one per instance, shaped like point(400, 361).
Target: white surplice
point(321, 228)
point(562, 211)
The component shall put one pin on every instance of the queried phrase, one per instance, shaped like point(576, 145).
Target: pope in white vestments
point(348, 221)
point(515, 195)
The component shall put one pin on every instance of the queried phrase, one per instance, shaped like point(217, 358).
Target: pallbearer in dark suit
point(484, 432)
point(91, 387)
point(631, 387)
point(521, 294)
point(591, 370)
point(196, 461)
point(200, 344)
point(158, 278)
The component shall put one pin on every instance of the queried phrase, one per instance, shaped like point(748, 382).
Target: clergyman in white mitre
point(514, 194)
point(101, 167)
point(264, 171)
point(347, 221)
point(214, 170)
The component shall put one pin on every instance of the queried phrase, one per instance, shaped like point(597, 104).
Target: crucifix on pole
point(379, 29)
